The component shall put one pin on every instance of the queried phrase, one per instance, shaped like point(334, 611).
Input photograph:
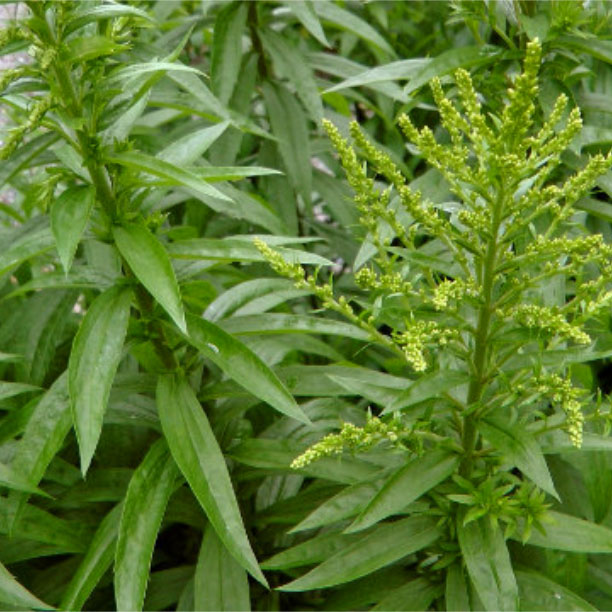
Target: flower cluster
point(417, 336)
point(353, 438)
point(547, 321)
point(562, 392)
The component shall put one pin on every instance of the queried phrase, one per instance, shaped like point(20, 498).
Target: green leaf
point(135, 70)
point(69, 215)
point(464, 57)
point(189, 148)
point(426, 387)
point(11, 389)
point(232, 249)
point(143, 510)
point(197, 453)
point(520, 448)
point(456, 591)
point(226, 52)
point(241, 364)
point(414, 595)
point(599, 49)
point(95, 356)
point(386, 544)
point(83, 49)
point(289, 62)
point(304, 11)
point(167, 171)
point(103, 11)
point(13, 480)
point(279, 323)
point(11, 592)
point(312, 551)
point(231, 173)
point(488, 564)
point(97, 560)
point(33, 238)
point(572, 534)
point(220, 583)
point(289, 125)
point(406, 485)
point(395, 71)
point(540, 593)
point(42, 439)
point(349, 502)
point(149, 261)
point(345, 20)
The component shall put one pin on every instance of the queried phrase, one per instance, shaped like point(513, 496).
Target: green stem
point(481, 348)
point(100, 179)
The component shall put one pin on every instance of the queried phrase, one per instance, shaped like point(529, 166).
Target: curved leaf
point(386, 544)
point(69, 215)
point(11, 592)
point(520, 448)
point(97, 560)
point(541, 593)
point(151, 265)
point(95, 356)
point(488, 563)
point(407, 485)
point(196, 451)
point(143, 510)
point(241, 364)
point(220, 583)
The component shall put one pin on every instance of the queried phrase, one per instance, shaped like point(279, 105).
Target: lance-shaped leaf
point(414, 595)
point(226, 52)
point(540, 593)
point(13, 593)
point(143, 510)
point(220, 583)
point(241, 364)
point(488, 563)
point(69, 215)
point(32, 239)
point(169, 172)
point(406, 485)
point(97, 560)
point(521, 449)
point(42, 439)
point(199, 457)
point(94, 359)
point(565, 532)
point(150, 263)
point(386, 544)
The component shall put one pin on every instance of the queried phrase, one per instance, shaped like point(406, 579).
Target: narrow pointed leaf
point(167, 171)
point(220, 583)
point(407, 485)
point(97, 560)
point(187, 149)
point(226, 52)
point(33, 239)
point(95, 356)
point(386, 544)
point(199, 457)
point(305, 12)
point(42, 439)
point(17, 482)
point(414, 595)
point(151, 265)
point(456, 591)
point(566, 532)
point(488, 563)
point(346, 20)
point(13, 593)
point(520, 448)
point(143, 510)
point(540, 593)
point(69, 215)
point(241, 364)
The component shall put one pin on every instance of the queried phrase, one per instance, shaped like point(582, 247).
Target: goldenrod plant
point(489, 349)
point(413, 414)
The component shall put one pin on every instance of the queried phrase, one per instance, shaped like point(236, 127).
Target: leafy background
point(252, 129)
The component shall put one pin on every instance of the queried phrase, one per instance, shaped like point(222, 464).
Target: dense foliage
point(305, 305)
